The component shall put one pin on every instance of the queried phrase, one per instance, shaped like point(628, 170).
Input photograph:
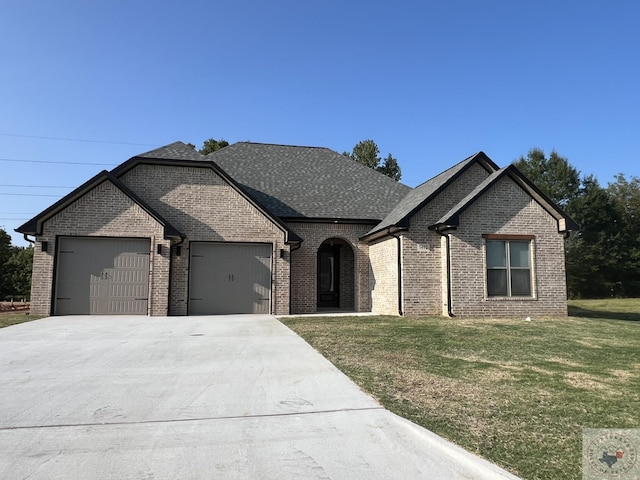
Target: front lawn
point(515, 392)
point(7, 319)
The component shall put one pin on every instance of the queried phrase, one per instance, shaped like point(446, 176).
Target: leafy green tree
point(18, 272)
point(625, 197)
point(367, 153)
point(390, 168)
point(15, 269)
point(592, 258)
point(5, 253)
point(603, 257)
point(555, 176)
point(210, 145)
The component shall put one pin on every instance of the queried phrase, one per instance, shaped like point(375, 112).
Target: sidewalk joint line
point(199, 419)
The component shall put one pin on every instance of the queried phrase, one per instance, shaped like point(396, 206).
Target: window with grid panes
point(508, 267)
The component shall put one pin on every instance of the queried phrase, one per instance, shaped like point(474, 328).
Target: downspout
point(291, 250)
point(447, 239)
point(399, 241)
point(27, 239)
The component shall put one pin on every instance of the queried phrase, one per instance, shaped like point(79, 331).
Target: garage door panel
point(102, 276)
point(230, 278)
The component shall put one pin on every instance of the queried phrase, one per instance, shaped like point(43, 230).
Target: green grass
point(517, 393)
point(7, 319)
point(611, 308)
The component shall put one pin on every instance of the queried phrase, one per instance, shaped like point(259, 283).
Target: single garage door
point(229, 278)
point(102, 276)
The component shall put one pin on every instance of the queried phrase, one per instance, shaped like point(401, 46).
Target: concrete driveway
point(226, 397)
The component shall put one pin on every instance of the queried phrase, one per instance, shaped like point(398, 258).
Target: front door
point(329, 276)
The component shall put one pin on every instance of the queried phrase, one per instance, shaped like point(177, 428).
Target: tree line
point(603, 257)
point(15, 269)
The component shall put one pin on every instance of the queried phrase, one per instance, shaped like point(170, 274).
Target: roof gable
point(451, 219)
point(179, 154)
point(34, 226)
point(310, 183)
point(420, 196)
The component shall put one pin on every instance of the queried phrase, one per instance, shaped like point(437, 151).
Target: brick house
point(258, 228)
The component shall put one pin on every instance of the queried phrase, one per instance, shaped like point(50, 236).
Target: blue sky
point(431, 82)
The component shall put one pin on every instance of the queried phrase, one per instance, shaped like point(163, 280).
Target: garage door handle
point(195, 298)
point(63, 298)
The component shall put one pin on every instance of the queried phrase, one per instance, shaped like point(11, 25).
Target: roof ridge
point(281, 145)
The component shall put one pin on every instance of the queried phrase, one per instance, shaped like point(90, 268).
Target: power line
point(29, 195)
point(77, 140)
point(50, 161)
point(35, 186)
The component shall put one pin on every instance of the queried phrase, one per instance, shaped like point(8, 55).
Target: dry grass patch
point(586, 382)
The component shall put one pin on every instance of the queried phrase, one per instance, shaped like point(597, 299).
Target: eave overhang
point(387, 232)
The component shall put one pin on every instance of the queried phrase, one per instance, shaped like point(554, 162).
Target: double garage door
point(102, 276)
point(229, 278)
point(96, 275)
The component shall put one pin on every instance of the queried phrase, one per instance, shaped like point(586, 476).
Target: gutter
point(442, 231)
point(399, 239)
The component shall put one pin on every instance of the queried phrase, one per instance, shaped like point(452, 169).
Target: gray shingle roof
point(309, 182)
point(417, 198)
point(174, 151)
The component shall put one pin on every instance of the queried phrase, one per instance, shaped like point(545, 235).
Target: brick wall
point(103, 211)
point(203, 206)
point(384, 276)
point(354, 258)
point(422, 249)
point(507, 209)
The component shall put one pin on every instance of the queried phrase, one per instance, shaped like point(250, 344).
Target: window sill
point(510, 299)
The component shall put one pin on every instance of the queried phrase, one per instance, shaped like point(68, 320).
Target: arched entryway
point(336, 275)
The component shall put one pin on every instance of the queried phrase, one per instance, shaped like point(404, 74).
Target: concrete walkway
point(229, 397)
